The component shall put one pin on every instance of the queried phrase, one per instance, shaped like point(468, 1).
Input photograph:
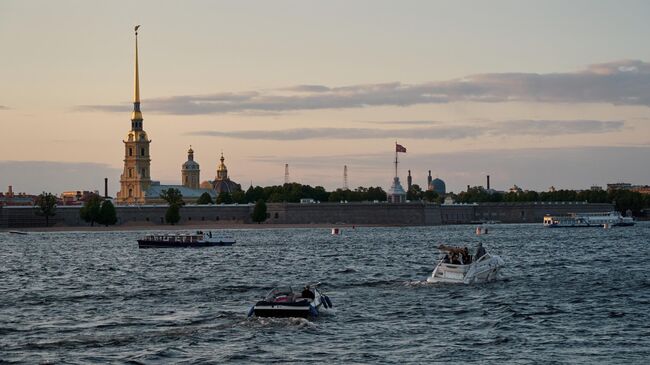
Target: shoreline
point(188, 227)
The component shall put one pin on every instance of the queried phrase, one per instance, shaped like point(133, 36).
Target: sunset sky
point(533, 93)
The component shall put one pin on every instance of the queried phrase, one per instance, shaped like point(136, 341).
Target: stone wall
point(22, 217)
point(404, 214)
point(355, 213)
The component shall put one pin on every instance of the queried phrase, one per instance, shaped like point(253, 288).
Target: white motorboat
point(481, 270)
point(285, 302)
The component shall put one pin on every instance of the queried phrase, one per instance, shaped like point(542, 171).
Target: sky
point(533, 93)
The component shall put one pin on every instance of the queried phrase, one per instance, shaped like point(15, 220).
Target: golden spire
point(137, 115)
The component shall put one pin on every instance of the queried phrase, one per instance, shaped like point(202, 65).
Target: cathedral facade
point(135, 178)
point(136, 185)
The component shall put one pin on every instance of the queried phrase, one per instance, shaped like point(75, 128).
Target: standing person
point(480, 251)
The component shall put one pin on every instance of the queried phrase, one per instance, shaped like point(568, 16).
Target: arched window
point(142, 151)
point(130, 151)
point(144, 172)
point(130, 193)
point(130, 172)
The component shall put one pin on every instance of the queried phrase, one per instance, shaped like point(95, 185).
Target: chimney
point(468, 188)
point(409, 181)
point(488, 182)
point(105, 187)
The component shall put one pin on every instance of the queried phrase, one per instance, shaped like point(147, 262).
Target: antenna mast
point(286, 173)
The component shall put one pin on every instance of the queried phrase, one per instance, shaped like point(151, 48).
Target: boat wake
point(272, 322)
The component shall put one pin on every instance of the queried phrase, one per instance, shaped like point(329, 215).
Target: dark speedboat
point(284, 302)
point(200, 239)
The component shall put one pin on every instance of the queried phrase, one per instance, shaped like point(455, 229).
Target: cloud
point(507, 128)
point(624, 82)
point(56, 177)
point(402, 122)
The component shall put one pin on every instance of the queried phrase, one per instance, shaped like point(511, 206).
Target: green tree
point(172, 196)
point(45, 206)
point(107, 214)
point(259, 212)
point(239, 197)
point(173, 214)
point(204, 199)
point(90, 210)
point(224, 197)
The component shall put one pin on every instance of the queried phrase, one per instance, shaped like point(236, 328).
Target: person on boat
point(480, 251)
point(467, 258)
point(307, 293)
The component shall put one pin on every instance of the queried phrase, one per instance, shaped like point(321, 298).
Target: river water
point(566, 296)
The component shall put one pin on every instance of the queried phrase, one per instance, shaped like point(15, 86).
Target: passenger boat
point(285, 302)
point(575, 220)
point(479, 270)
point(199, 239)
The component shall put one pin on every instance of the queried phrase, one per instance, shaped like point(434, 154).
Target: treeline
point(294, 192)
point(622, 199)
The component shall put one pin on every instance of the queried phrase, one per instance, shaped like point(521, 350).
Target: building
point(77, 197)
point(438, 186)
point(222, 182)
point(16, 199)
point(190, 172)
point(396, 193)
point(619, 186)
point(135, 178)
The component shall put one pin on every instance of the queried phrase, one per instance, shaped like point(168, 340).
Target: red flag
point(400, 148)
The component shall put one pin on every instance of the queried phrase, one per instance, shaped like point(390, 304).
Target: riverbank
point(204, 227)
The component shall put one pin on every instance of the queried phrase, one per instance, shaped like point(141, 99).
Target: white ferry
point(605, 219)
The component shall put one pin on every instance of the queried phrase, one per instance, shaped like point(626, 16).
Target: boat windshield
point(279, 292)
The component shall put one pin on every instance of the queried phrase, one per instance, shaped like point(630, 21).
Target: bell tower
point(136, 178)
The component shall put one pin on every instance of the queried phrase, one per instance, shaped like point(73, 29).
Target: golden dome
point(222, 166)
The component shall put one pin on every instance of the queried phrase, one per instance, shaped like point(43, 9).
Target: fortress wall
point(68, 216)
point(415, 214)
point(354, 213)
point(533, 212)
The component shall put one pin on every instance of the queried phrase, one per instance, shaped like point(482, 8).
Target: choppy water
point(573, 296)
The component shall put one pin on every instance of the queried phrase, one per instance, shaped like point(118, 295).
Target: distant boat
point(18, 232)
point(200, 239)
point(576, 220)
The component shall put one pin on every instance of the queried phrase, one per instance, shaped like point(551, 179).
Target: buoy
point(336, 231)
point(478, 231)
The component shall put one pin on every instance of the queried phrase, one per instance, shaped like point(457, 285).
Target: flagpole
point(395, 158)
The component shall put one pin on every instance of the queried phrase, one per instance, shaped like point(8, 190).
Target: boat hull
point(483, 271)
point(167, 244)
point(284, 310)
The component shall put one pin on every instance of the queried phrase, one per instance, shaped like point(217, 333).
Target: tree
point(90, 210)
point(259, 212)
point(239, 197)
point(205, 198)
point(107, 214)
point(173, 215)
point(172, 196)
point(45, 205)
point(224, 197)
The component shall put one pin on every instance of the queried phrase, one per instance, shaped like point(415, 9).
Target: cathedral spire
point(136, 117)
